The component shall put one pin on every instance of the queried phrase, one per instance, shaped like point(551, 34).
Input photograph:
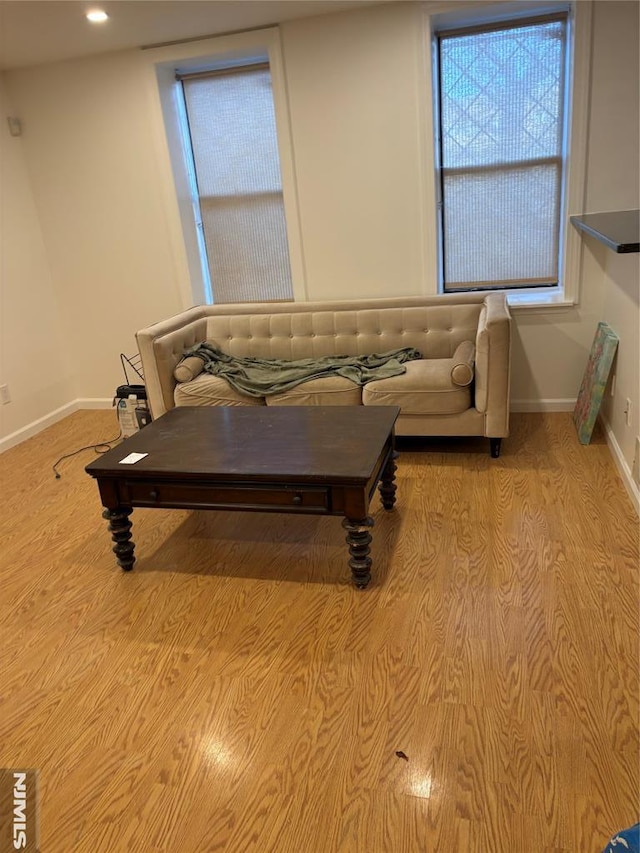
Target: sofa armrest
point(161, 347)
point(493, 364)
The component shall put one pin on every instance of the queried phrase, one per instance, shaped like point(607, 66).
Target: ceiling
point(37, 31)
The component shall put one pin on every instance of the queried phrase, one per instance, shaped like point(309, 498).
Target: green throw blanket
point(259, 377)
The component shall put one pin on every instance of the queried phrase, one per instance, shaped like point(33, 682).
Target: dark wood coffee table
point(323, 460)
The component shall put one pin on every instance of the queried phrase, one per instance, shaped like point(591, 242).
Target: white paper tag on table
point(132, 458)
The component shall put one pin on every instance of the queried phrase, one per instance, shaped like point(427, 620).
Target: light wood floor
point(234, 692)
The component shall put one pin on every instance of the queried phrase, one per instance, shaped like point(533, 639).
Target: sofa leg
point(495, 447)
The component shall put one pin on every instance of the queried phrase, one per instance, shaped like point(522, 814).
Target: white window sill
point(536, 300)
point(553, 300)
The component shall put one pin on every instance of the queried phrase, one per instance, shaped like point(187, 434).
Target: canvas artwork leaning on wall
point(594, 381)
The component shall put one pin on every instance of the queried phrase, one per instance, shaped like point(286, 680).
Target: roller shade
point(235, 153)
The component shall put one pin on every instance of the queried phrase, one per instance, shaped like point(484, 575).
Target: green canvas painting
point(594, 381)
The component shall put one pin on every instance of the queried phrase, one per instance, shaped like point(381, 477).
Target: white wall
point(614, 184)
point(614, 165)
point(622, 313)
point(355, 91)
point(356, 83)
point(89, 142)
point(34, 359)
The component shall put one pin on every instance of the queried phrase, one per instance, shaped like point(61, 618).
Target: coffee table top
point(270, 443)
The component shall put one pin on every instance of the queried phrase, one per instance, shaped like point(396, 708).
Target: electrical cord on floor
point(100, 447)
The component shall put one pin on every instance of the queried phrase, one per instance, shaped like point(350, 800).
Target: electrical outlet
point(5, 396)
point(613, 385)
point(627, 412)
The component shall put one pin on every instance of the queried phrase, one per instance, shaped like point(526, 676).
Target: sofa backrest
point(434, 330)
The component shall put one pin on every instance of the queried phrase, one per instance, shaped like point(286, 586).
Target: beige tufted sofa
point(442, 394)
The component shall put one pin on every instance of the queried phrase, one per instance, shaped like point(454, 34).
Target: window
point(500, 143)
point(231, 141)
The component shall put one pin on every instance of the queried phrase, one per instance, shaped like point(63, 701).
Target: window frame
point(207, 54)
point(578, 54)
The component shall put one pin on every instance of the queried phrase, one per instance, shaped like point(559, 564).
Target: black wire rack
point(132, 363)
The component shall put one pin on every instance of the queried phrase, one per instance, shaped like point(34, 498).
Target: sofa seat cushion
point(425, 389)
point(207, 390)
point(326, 391)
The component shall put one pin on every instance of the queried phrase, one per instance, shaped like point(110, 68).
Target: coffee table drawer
point(187, 495)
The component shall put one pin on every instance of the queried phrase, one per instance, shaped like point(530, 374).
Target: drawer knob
point(297, 499)
point(153, 494)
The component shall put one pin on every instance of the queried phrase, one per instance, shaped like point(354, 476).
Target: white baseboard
point(622, 465)
point(552, 405)
point(94, 402)
point(38, 425)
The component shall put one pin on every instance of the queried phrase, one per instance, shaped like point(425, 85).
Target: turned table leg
point(120, 528)
point(358, 540)
point(387, 485)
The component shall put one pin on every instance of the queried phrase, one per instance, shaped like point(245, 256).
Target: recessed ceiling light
point(97, 16)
